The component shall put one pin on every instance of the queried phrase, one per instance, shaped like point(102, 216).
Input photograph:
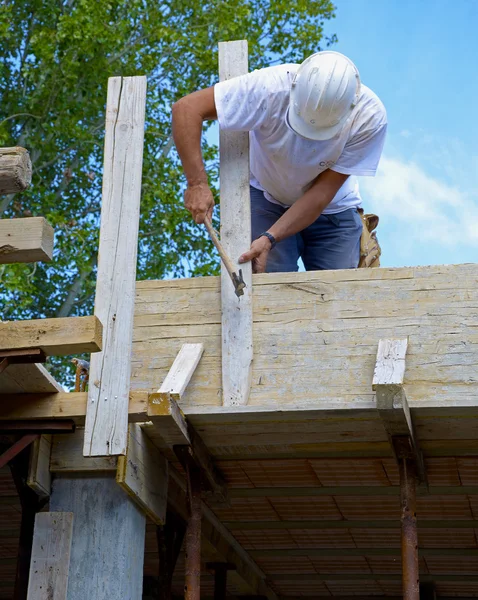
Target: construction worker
point(313, 128)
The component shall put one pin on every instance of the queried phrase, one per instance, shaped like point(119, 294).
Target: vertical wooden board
point(390, 363)
point(143, 474)
point(237, 350)
point(39, 477)
point(107, 551)
point(106, 427)
point(50, 562)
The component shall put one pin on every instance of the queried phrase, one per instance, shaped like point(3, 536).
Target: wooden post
point(106, 428)
point(107, 550)
point(237, 351)
point(50, 556)
point(15, 170)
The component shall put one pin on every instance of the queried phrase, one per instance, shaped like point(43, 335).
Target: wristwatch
point(270, 237)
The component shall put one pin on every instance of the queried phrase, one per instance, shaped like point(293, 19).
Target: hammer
point(237, 280)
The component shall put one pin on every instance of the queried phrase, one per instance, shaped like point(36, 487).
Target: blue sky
point(420, 58)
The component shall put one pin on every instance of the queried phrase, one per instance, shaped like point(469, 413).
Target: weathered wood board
point(106, 430)
point(143, 474)
point(316, 335)
point(56, 337)
point(25, 240)
point(237, 346)
point(50, 563)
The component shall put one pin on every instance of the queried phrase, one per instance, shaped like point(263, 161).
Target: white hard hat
point(324, 92)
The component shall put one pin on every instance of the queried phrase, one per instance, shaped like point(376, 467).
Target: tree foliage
point(56, 57)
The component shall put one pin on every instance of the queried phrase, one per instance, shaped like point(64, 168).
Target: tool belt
point(370, 250)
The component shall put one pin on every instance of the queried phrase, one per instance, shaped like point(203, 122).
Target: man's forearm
point(187, 130)
point(309, 207)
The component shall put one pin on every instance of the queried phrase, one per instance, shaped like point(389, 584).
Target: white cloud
point(424, 207)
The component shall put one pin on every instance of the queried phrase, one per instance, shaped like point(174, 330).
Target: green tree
point(56, 57)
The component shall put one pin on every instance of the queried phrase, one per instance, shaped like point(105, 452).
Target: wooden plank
point(50, 556)
point(27, 377)
point(348, 490)
point(181, 372)
point(15, 170)
point(143, 474)
point(62, 405)
point(348, 524)
point(333, 551)
point(168, 420)
point(329, 318)
point(368, 576)
point(39, 477)
point(56, 337)
point(25, 240)
point(106, 430)
point(392, 404)
point(67, 456)
point(237, 345)
point(169, 424)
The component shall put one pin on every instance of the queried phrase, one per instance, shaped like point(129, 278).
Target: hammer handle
point(222, 253)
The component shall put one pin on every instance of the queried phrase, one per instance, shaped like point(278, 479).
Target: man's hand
point(258, 253)
point(199, 201)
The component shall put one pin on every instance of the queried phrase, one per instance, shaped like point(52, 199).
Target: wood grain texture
point(62, 405)
point(25, 240)
point(143, 474)
point(237, 344)
point(107, 417)
point(56, 337)
point(39, 477)
point(316, 335)
point(50, 562)
point(107, 550)
point(67, 456)
point(181, 372)
point(15, 170)
point(28, 377)
point(390, 364)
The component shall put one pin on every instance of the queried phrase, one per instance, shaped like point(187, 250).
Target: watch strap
point(270, 237)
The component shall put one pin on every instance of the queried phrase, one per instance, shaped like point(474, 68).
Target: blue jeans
point(331, 242)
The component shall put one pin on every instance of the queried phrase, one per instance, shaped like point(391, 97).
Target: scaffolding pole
point(410, 572)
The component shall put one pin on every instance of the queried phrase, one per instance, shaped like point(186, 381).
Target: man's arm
point(188, 116)
point(299, 216)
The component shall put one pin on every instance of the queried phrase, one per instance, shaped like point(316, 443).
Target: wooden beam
point(50, 561)
point(346, 524)
point(170, 424)
point(25, 240)
point(67, 456)
point(28, 377)
point(347, 490)
point(56, 337)
point(392, 404)
point(143, 474)
point(39, 477)
point(63, 405)
point(334, 551)
point(106, 431)
point(237, 349)
point(15, 170)
point(425, 577)
point(181, 372)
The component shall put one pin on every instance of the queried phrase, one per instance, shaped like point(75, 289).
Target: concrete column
point(107, 550)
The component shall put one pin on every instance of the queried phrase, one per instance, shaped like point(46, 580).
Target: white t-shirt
point(284, 164)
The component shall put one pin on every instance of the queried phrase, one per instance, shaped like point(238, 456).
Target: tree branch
point(75, 289)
